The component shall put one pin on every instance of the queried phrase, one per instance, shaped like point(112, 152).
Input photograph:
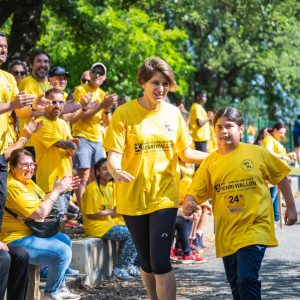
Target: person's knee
point(5, 261)
point(22, 256)
point(145, 266)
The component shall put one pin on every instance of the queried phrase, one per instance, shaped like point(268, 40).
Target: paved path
point(280, 275)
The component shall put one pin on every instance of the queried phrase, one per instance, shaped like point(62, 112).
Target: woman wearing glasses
point(18, 69)
point(28, 201)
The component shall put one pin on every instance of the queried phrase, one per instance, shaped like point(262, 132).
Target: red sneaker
point(175, 254)
point(192, 258)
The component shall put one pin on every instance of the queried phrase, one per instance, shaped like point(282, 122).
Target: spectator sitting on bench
point(101, 220)
point(28, 201)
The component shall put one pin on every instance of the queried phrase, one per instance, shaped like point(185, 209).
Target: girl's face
point(156, 89)
point(228, 133)
point(279, 134)
point(25, 169)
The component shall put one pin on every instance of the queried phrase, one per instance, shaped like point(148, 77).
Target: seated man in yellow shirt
point(100, 219)
point(54, 147)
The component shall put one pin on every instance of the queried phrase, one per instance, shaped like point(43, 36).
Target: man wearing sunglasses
point(54, 147)
point(96, 106)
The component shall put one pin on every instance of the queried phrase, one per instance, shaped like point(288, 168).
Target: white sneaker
point(57, 297)
point(122, 274)
point(66, 294)
point(134, 271)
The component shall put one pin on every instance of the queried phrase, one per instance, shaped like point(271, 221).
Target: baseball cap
point(56, 71)
point(99, 64)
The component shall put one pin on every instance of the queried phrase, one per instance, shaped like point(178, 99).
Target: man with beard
point(36, 84)
point(54, 148)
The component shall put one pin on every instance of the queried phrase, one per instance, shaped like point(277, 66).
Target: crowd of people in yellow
point(131, 170)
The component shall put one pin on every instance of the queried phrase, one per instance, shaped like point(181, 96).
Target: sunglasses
point(54, 102)
point(83, 80)
point(98, 72)
point(28, 166)
point(16, 73)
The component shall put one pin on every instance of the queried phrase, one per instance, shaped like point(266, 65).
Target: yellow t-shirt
point(199, 134)
point(89, 129)
point(97, 198)
point(149, 141)
point(185, 183)
point(270, 143)
point(52, 161)
point(31, 86)
point(8, 91)
point(242, 206)
point(22, 200)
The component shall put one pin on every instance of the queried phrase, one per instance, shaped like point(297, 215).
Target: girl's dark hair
point(98, 165)
point(152, 65)
point(260, 135)
point(15, 157)
point(231, 113)
point(278, 126)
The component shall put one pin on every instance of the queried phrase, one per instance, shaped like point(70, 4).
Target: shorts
point(296, 140)
point(88, 154)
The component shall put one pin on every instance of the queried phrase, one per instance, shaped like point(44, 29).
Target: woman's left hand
point(122, 176)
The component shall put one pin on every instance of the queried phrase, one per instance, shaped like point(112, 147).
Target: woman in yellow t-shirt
point(272, 143)
point(234, 178)
point(144, 140)
point(28, 201)
point(100, 219)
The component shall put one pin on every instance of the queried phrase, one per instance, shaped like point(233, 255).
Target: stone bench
point(94, 257)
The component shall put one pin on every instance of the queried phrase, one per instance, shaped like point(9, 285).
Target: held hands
point(70, 107)
point(85, 100)
point(22, 100)
point(121, 176)
point(189, 206)
point(290, 216)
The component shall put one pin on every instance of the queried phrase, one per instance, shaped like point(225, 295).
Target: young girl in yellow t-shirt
point(234, 178)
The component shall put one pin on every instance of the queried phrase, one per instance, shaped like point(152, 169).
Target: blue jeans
point(53, 251)
point(184, 228)
point(128, 252)
point(242, 270)
point(274, 196)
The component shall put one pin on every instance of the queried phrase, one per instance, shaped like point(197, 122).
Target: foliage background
point(243, 52)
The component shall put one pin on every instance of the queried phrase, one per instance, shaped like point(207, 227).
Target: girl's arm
point(290, 217)
point(189, 205)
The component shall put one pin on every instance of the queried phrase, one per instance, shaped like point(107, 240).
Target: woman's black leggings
point(153, 236)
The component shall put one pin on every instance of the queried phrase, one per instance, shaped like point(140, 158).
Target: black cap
point(56, 71)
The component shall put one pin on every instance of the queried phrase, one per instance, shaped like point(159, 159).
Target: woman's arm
point(114, 167)
point(192, 156)
point(103, 213)
point(60, 186)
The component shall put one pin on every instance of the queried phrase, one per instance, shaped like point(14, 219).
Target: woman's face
point(156, 88)
point(24, 169)
point(279, 134)
point(19, 72)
